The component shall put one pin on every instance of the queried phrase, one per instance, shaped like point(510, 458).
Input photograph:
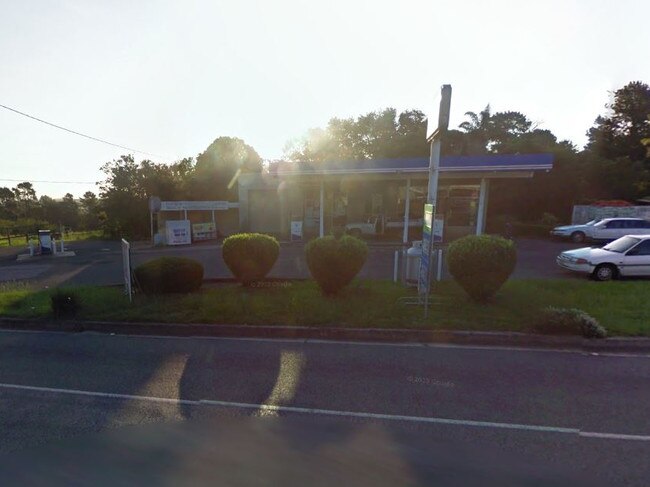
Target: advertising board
point(178, 232)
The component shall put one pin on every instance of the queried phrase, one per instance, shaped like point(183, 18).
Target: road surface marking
point(333, 412)
point(284, 390)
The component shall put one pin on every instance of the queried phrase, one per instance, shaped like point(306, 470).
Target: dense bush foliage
point(64, 303)
point(334, 262)
point(481, 264)
point(250, 256)
point(169, 275)
point(562, 321)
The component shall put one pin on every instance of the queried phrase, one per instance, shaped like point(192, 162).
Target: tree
point(69, 212)
point(49, 209)
point(217, 168)
point(618, 145)
point(124, 199)
point(477, 130)
point(375, 135)
point(26, 201)
point(487, 132)
point(8, 206)
point(90, 211)
point(620, 134)
point(124, 207)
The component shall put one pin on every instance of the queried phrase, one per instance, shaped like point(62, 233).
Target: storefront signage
point(178, 232)
point(196, 205)
point(204, 231)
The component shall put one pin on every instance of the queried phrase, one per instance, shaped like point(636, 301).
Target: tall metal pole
point(434, 169)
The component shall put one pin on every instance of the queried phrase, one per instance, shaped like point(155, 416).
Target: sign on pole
point(425, 260)
point(437, 124)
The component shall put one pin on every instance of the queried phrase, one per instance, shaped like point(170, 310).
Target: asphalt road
point(85, 409)
point(100, 263)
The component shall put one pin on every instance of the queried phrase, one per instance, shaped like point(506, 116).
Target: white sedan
point(607, 229)
point(627, 256)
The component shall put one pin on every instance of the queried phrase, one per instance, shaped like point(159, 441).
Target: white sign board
point(178, 232)
point(438, 228)
point(196, 205)
point(296, 230)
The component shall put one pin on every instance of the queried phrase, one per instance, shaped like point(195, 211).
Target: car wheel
point(355, 232)
point(604, 272)
point(578, 237)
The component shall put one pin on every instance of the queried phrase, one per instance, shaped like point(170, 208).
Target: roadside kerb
point(475, 338)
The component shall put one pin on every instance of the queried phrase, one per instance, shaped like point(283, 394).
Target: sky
point(169, 77)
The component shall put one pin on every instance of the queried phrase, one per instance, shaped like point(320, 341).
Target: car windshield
point(592, 222)
point(621, 245)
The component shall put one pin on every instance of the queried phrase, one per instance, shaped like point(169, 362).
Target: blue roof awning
point(491, 163)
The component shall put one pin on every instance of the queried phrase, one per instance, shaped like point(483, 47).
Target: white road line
point(333, 412)
point(106, 395)
point(614, 436)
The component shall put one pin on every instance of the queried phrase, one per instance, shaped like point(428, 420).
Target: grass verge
point(622, 307)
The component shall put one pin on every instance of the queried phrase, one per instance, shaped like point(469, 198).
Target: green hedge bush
point(169, 275)
point(481, 264)
point(64, 303)
point(334, 262)
point(563, 321)
point(250, 256)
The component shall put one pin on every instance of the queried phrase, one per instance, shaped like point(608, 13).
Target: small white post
point(439, 266)
point(184, 214)
point(322, 209)
point(407, 210)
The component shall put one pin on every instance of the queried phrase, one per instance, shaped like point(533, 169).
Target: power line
point(42, 181)
point(130, 149)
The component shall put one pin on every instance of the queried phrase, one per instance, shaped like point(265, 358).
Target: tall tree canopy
point(375, 135)
point(217, 168)
point(621, 132)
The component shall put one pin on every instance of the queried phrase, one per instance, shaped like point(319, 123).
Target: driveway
point(100, 263)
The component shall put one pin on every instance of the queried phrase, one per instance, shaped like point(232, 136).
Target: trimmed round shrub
point(481, 264)
point(169, 275)
point(250, 256)
point(334, 262)
point(64, 303)
point(568, 321)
